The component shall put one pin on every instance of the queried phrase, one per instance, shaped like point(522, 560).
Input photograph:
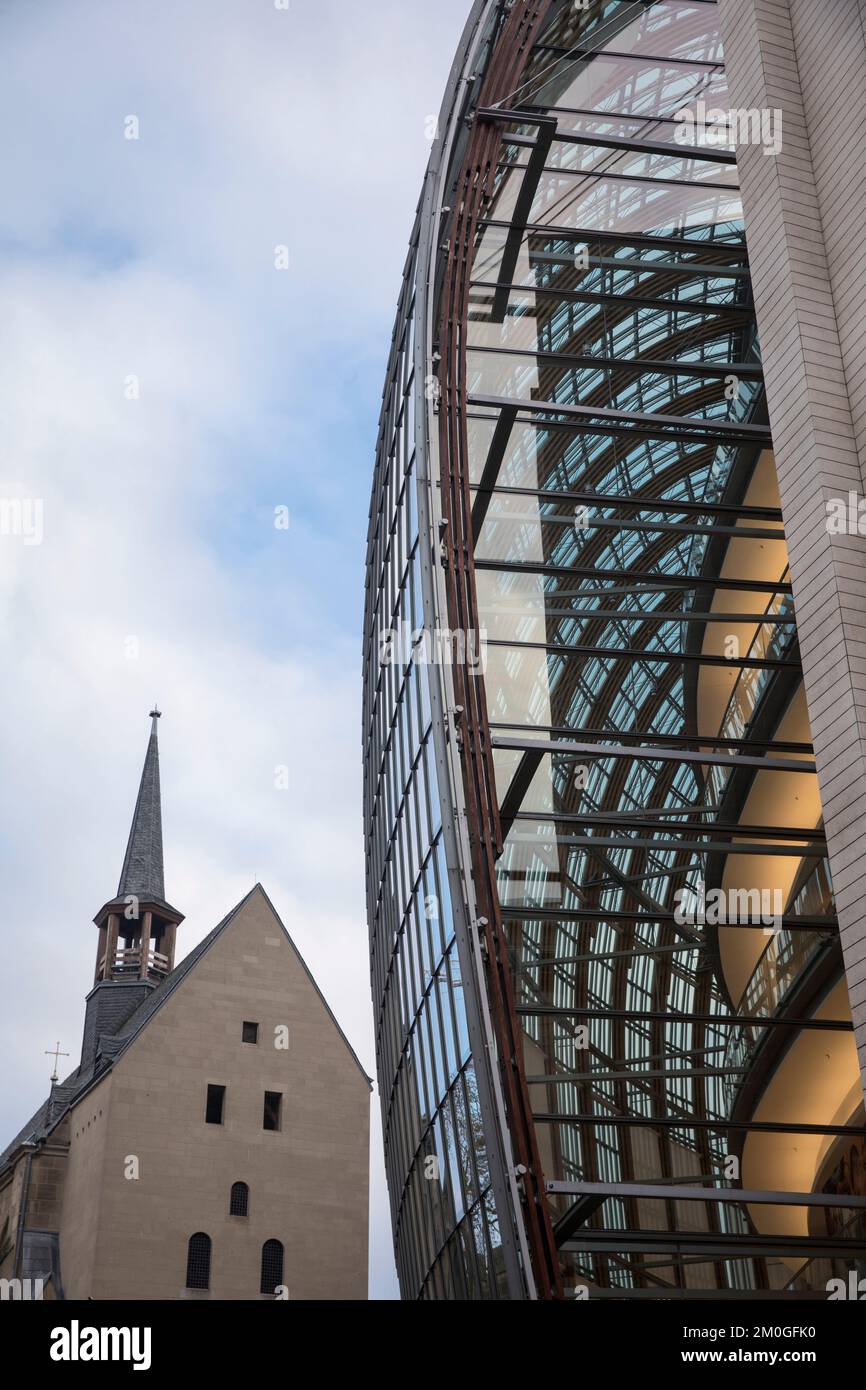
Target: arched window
point(239, 1200)
point(272, 1265)
point(198, 1261)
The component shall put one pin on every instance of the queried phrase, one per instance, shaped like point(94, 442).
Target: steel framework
point(599, 495)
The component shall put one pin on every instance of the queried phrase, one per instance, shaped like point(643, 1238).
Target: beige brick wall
point(46, 1183)
point(80, 1214)
point(10, 1206)
point(804, 210)
point(308, 1183)
point(44, 1195)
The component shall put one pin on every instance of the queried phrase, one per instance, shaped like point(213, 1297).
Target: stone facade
point(126, 1236)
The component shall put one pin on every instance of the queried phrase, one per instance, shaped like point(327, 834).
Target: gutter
point(22, 1212)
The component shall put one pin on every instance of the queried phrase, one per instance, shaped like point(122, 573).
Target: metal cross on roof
point(55, 1054)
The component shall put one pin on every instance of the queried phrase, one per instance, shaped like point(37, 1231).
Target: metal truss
point(603, 387)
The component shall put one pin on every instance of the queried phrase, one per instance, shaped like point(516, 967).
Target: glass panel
point(600, 203)
point(627, 86)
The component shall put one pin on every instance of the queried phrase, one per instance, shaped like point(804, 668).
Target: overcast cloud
point(161, 575)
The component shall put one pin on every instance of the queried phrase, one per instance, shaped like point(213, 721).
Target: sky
point(168, 393)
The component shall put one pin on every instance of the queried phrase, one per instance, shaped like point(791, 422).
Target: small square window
point(273, 1102)
point(250, 1033)
point(214, 1110)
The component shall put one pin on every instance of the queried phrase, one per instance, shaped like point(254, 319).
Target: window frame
point(275, 1128)
point(190, 1257)
point(246, 1200)
point(269, 1246)
point(215, 1086)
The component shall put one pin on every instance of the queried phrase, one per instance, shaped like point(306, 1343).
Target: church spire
point(142, 872)
point(137, 927)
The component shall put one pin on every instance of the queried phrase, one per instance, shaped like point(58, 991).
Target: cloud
point(161, 574)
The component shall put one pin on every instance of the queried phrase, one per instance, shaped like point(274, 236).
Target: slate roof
point(35, 1128)
point(142, 873)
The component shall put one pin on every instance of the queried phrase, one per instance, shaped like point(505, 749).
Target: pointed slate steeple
point(137, 927)
point(142, 872)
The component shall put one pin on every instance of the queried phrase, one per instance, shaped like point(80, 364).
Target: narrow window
point(198, 1261)
point(272, 1266)
point(250, 1033)
point(239, 1200)
point(214, 1111)
point(271, 1118)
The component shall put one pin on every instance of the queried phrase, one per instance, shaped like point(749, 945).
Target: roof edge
point(311, 977)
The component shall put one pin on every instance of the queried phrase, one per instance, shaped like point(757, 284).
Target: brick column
point(805, 211)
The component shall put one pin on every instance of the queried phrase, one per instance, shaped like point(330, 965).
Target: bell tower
point(137, 927)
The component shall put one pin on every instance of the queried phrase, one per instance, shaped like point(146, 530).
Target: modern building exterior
point(614, 663)
point(213, 1141)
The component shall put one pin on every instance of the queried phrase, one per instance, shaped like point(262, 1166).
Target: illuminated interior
point(632, 578)
point(602, 928)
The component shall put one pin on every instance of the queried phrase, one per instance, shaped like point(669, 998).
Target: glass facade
point(632, 826)
point(444, 1221)
point(438, 1157)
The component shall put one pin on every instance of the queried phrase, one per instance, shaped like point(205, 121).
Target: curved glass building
point(616, 1050)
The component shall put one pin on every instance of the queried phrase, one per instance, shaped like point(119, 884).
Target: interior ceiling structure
point(584, 1086)
point(643, 695)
